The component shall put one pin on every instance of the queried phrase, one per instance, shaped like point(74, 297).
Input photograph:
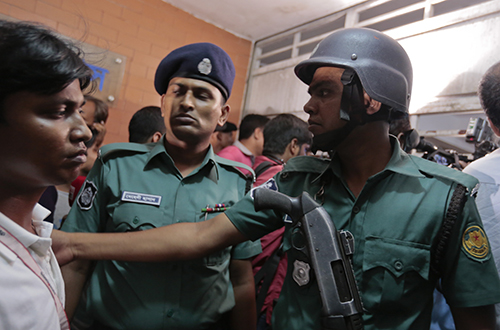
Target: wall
point(144, 31)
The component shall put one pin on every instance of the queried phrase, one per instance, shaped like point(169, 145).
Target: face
point(324, 105)
point(43, 138)
point(193, 108)
point(88, 111)
point(226, 139)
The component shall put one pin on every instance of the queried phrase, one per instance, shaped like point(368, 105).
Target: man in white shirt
point(43, 134)
point(487, 168)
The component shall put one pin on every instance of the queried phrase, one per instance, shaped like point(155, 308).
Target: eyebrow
point(322, 83)
point(194, 88)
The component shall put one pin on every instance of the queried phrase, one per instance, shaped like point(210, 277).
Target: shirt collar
point(41, 243)
point(209, 161)
point(243, 149)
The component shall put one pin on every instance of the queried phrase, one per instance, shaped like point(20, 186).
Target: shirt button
point(170, 313)
point(398, 265)
point(356, 209)
point(136, 220)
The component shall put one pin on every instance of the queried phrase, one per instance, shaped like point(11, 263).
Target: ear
point(495, 129)
point(156, 137)
point(258, 133)
point(225, 110)
point(294, 148)
point(371, 105)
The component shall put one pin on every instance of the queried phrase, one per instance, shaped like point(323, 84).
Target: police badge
point(87, 195)
point(205, 66)
point(301, 272)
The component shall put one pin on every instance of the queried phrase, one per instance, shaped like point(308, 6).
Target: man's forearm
point(243, 315)
point(179, 241)
point(75, 275)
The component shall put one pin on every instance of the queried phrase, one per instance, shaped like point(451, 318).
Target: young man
point(147, 125)
point(41, 84)
point(250, 141)
point(394, 204)
point(285, 136)
point(134, 187)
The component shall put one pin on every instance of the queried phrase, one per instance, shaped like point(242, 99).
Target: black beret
point(227, 127)
point(204, 61)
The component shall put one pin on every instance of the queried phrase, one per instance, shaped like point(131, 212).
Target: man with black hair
point(43, 134)
point(250, 141)
point(147, 125)
point(395, 205)
point(135, 187)
point(487, 168)
point(285, 136)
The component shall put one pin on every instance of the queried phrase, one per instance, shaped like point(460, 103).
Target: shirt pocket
point(395, 274)
point(135, 216)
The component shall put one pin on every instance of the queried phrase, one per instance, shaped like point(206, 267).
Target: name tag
point(133, 197)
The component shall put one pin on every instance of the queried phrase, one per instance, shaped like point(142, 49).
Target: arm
point(75, 276)
point(474, 318)
point(179, 241)
point(243, 315)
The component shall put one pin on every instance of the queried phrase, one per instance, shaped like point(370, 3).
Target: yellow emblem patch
point(475, 243)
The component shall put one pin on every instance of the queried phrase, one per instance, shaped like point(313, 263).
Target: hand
point(61, 245)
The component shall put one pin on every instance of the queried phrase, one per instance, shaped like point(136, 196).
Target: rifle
point(330, 252)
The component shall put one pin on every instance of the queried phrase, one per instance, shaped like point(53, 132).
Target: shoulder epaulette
point(306, 164)
point(433, 169)
point(107, 151)
point(233, 164)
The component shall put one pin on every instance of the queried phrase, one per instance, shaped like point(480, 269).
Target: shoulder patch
point(111, 149)
point(87, 195)
point(306, 164)
point(434, 169)
point(475, 243)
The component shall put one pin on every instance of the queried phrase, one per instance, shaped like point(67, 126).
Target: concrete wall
point(144, 31)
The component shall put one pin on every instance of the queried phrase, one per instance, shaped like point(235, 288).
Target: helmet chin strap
point(352, 110)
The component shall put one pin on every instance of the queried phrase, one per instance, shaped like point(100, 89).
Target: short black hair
point(249, 124)
point(489, 94)
point(34, 59)
point(281, 130)
point(145, 123)
point(101, 109)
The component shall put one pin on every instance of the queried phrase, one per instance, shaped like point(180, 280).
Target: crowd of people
point(161, 232)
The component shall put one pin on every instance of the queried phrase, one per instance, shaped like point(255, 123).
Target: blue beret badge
point(475, 243)
point(205, 66)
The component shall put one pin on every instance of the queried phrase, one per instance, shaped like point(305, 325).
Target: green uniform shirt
point(137, 187)
point(394, 220)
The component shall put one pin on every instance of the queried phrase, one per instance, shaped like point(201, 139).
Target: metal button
point(398, 265)
point(356, 209)
point(135, 221)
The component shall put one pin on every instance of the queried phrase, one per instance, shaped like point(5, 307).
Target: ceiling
point(257, 19)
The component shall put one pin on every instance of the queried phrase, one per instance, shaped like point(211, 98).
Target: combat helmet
point(382, 65)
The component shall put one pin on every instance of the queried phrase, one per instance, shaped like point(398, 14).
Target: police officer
point(134, 187)
point(394, 204)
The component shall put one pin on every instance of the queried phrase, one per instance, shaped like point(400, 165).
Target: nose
point(187, 101)
point(80, 132)
point(309, 106)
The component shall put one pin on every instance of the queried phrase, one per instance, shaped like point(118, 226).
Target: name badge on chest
point(128, 196)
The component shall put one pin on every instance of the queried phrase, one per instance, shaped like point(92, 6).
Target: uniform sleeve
point(88, 213)
point(470, 277)
point(246, 250)
point(251, 223)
